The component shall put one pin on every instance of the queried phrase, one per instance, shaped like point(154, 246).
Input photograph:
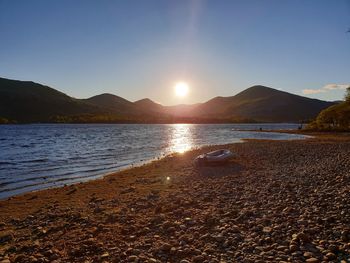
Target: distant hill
point(26, 101)
point(263, 104)
point(149, 105)
point(116, 105)
point(257, 103)
point(181, 110)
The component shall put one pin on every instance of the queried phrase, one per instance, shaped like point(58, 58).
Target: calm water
point(41, 156)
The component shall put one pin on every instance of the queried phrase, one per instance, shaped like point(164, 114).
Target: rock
point(293, 248)
point(105, 255)
point(308, 254)
point(165, 247)
point(133, 258)
point(331, 256)
point(20, 258)
point(173, 251)
point(267, 229)
point(303, 237)
point(198, 259)
point(345, 235)
point(183, 227)
point(5, 238)
point(312, 260)
point(332, 248)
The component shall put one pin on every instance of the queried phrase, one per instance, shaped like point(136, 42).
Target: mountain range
point(30, 102)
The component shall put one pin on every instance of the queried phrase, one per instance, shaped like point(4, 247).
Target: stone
point(293, 248)
point(198, 259)
point(331, 256)
point(303, 237)
point(312, 260)
point(5, 238)
point(105, 255)
point(308, 254)
point(267, 229)
point(133, 258)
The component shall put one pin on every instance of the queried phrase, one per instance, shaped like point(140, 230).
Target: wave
point(57, 177)
point(41, 160)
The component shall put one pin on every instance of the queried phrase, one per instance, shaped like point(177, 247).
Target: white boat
point(217, 157)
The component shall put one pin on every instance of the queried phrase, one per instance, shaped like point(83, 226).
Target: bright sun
point(181, 89)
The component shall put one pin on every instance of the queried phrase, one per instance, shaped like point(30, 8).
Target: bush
point(4, 121)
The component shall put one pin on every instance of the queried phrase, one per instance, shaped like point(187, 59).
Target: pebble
point(133, 258)
point(270, 206)
point(312, 260)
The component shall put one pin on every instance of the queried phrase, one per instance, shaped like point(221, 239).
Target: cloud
point(313, 91)
point(326, 88)
point(336, 86)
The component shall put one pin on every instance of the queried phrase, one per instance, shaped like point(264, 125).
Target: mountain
point(116, 105)
point(26, 101)
point(262, 104)
point(149, 105)
point(182, 110)
point(257, 103)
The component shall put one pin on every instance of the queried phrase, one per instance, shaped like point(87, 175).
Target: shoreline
point(48, 185)
point(167, 210)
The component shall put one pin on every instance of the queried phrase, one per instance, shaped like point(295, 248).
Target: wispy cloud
point(326, 88)
point(313, 91)
point(336, 86)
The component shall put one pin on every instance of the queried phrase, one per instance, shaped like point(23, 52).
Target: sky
point(141, 48)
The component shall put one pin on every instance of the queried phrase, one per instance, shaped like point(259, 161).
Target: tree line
point(334, 118)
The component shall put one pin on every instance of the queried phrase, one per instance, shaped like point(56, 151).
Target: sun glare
point(181, 89)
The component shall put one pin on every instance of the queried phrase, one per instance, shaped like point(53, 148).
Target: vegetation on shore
point(334, 118)
point(4, 121)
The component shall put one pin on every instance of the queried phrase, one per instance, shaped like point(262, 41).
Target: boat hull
point(218, 157)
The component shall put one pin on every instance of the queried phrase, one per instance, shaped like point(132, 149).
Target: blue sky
point(141, 48)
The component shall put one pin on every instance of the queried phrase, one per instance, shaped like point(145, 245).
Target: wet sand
point(276, 201)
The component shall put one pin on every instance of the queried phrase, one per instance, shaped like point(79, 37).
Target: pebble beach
point(276, 201)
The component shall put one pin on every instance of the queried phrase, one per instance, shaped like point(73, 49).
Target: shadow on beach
point(230, 168)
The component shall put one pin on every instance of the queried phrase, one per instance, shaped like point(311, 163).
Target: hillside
point(149, 105)
point(263, 104)
point(257, 103)
point(116, 105)
point(181, 110)
point(26, 101)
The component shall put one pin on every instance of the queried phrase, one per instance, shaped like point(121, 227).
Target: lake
point(39, 156)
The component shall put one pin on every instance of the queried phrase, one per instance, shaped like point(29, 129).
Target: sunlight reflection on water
point(181, 139)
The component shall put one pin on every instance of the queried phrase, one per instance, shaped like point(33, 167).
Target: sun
point(181, 89)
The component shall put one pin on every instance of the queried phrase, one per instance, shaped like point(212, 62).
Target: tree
point(347, 94)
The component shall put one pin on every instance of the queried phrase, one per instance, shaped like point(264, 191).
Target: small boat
point(217, 157)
